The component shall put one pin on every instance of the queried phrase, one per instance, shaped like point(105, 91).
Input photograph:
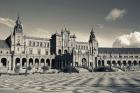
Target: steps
point(82, 70)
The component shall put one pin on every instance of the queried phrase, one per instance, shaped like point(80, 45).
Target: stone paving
point(105, 82)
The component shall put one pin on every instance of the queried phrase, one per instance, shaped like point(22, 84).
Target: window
point(30, 51)
point(33, 43)
point(30, 43)
point(18, 42)
point(44, 44)
point(125, 56)
point(131, 56)
point(46, 52)
point(39, 51)
point(120, 56)
point(82, 47)
point(48, 45)
point(17, 49)
point(87, 47)
point(0, 51)
point(37, 43)
point(41, 44)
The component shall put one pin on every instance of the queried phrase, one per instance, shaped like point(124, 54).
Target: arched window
point(48, 62)
point(24, 60)
point(4, 62)
point(59, 51)
point(30, 62)
point(65, 51)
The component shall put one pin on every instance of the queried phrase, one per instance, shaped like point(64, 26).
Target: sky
point(115, 22)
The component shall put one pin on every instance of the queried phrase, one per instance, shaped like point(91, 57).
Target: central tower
point(93, 49)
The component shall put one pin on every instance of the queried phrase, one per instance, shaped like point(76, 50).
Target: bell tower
point(17, 38)
point(93, 48)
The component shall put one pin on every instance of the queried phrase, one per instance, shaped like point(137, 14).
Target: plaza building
point(61, 51)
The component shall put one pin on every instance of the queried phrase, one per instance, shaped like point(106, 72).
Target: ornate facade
point(61, 51)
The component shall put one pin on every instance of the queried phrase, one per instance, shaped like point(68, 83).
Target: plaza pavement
point(101, 82)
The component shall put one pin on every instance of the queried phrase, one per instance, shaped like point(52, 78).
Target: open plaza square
point(101, 82)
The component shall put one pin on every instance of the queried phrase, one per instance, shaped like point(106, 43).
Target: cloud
point(128, 40)
point(7, 22)
point(100, 26)
point(39, 32)
point(115, 14)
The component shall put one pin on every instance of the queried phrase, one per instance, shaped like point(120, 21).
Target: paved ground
point(72, 83)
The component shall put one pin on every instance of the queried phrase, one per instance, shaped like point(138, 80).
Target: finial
point(92, 29)
point(18, 20)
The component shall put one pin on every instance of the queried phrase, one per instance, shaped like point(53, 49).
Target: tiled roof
point(119, 50)
point(36, 38)
point(3, 44)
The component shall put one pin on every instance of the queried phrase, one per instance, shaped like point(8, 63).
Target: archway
point(103, 64)
point(17, 63)
point(124, 63)
point(84, 62)
point(114, 63)
point(99, 63)
point(65, 51)
point(129, 63)
point(109, 63)
point(135, 62)
point(30, 62)
point(24, 60)
point(48, 62)
point(53, 63)
point(119, 63)
point(59, 51)
point(4, 62)
point(42, 62)
point(36, 63)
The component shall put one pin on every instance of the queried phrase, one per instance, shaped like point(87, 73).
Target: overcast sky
point(109, 18)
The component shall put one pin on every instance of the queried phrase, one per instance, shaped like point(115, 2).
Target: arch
point(65, 51)
point(84, 62)
point(114, 63)
point(17, 62)
point(30, 62)
point(59, 51)
point(103, 63)
point(124, 63)
point(4, 62)
point(36, 63)
point(119, 63)
point(42, 62)
point(135, 62)
point(53, 63)
point(129, 63)
point(99, 63)
point(24, 60)
point(47, 62)
point(76, 64)
point(109, 63)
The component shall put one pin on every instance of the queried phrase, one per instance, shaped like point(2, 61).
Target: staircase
point(82, 70)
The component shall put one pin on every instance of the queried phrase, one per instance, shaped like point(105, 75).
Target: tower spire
point(18, 22)
point(92, 36)
point(18, 26)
